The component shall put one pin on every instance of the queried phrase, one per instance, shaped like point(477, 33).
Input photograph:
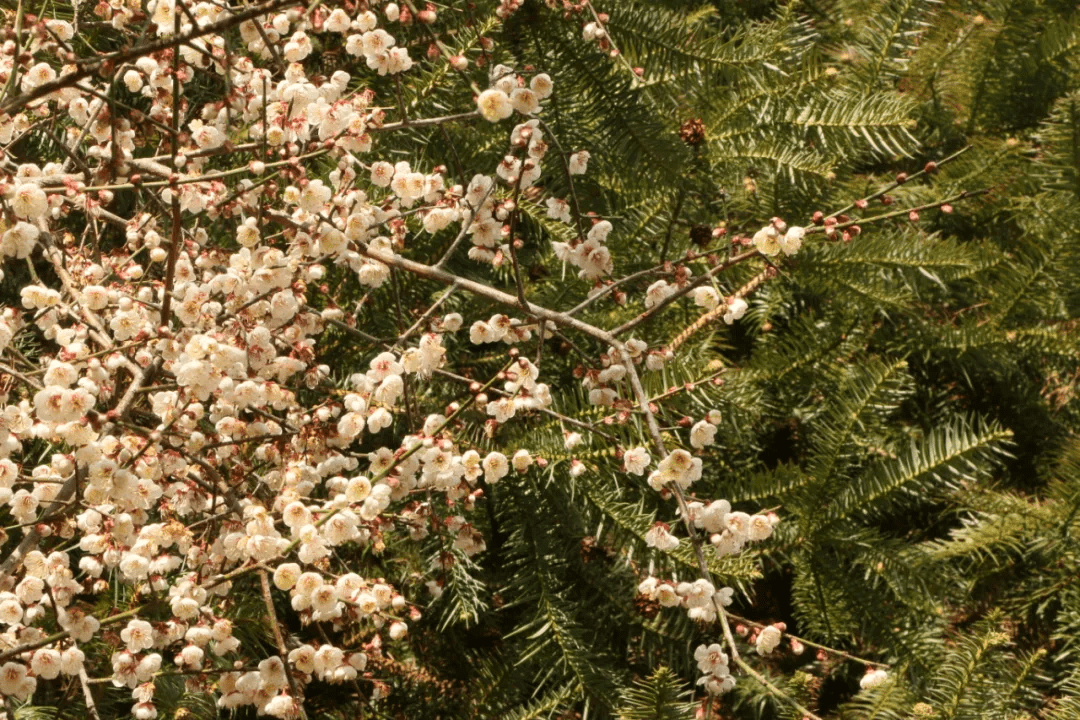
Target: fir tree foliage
point(904, 399)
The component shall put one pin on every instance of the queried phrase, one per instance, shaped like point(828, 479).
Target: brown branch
point(898, 213)
point(614, 285)
point(175, 234)
point(49, 640)
point(84, 680)
point(518, 282)
point(427, 314)
point(574, 204)
point(681, 292)
point(892, 186)
point(717, 311)
point(283, 652)
point(804, 641)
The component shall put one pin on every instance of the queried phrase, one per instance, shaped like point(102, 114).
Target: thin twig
point(804, 641)
point(283, 652)
point(897, 183)
point(84, 680)
point(427, 314)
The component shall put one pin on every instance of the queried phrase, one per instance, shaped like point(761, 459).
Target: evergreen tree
point(897, 386)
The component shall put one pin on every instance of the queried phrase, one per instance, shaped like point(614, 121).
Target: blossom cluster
point(713, 662)
point(777, 237)
point(175, 432)
point(727, 531)
point(700, 598)
point(173, 381)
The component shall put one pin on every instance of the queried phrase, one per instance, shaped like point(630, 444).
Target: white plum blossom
point(138, 635)
point(521, 460)
point(15, 682)
point(579, 162)
point(768, 639)
point(767, 240)
point(679, 468)
point(712, 660)
point(792, 240)
point(494, 105)
point(637, 460)
point(495, 467)
point(873, 678)
point(736, 308)
point(658, 292)
point(702, 434)
point(541, 85)
point(660, 537)
point(705, 297)
point(29, 201)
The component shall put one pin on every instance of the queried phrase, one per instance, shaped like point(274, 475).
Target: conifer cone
point(692, 132)
point(701, 235)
